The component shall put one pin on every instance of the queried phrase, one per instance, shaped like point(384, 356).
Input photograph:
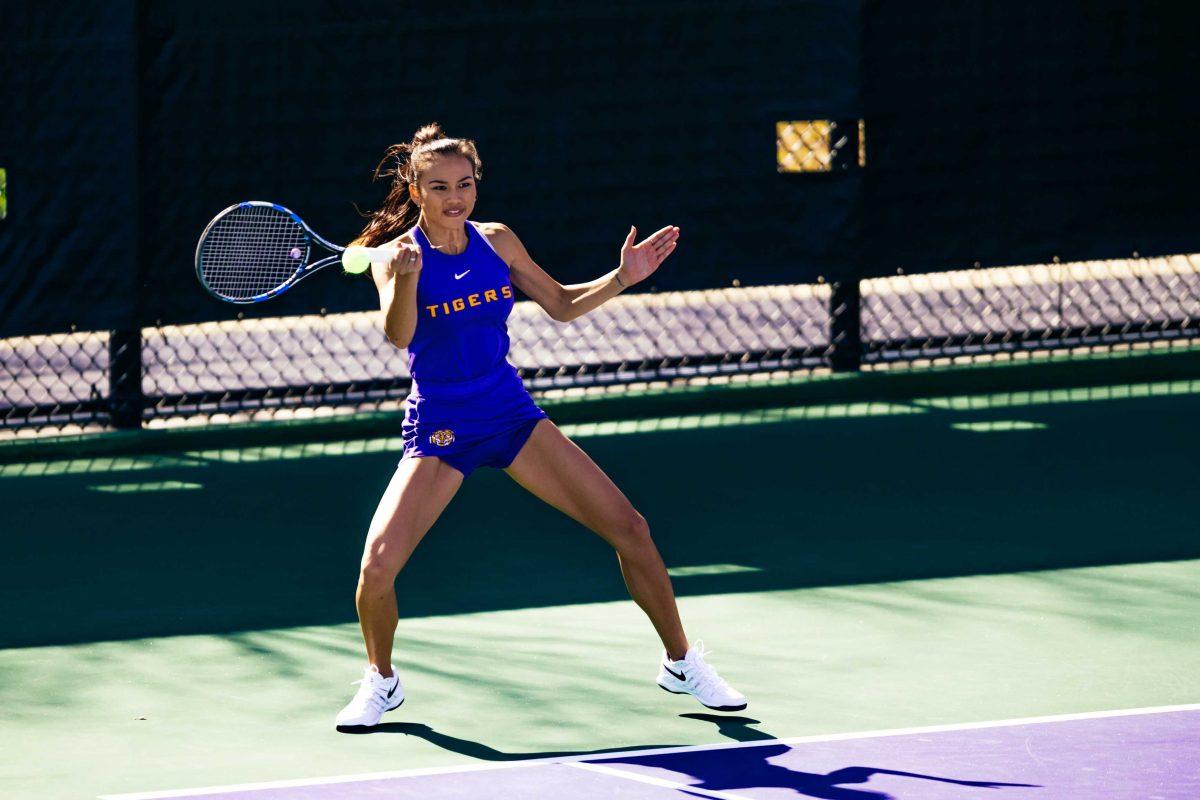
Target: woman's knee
point(377, 572)
point(633, 535)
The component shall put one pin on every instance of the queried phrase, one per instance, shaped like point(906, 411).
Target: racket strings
point(251, 251)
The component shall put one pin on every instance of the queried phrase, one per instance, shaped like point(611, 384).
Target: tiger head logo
point(442, 438)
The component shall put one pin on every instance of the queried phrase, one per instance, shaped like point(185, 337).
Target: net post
point(845, 333)
point(125, 398)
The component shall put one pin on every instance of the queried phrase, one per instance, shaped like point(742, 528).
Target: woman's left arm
point(565, 303)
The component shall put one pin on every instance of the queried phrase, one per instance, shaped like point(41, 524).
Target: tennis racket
point(254, 251)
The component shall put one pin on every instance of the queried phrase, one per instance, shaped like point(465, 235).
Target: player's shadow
point(722, 769)
point(484, 752)
point(734, 768)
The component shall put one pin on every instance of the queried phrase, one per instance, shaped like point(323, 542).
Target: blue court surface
point(1138, 754)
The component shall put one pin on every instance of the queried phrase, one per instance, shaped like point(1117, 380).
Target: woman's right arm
point(397, 285)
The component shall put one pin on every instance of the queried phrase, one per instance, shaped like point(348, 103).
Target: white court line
point(830, 737)
point(634, 776)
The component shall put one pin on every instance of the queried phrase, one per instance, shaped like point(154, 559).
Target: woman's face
point(446, 190)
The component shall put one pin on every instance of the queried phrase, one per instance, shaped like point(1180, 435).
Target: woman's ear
point(414, 194)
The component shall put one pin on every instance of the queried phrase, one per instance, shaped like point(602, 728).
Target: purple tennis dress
point(467, 406)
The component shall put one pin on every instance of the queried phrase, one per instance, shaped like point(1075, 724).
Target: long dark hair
point(403, 164)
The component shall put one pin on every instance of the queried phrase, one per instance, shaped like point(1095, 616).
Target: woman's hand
point(639, 261)
point(406, 260)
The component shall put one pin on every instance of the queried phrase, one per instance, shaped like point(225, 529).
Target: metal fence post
point(845, 317)
point(125, 398)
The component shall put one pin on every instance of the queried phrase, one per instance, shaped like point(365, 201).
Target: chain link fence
point(973, 313)
point(320, 365)
point(58, 382)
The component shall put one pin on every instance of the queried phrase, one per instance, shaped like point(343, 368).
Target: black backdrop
point(68, 139)
point(997, 132)
point(589, 118)
point(1011, 132)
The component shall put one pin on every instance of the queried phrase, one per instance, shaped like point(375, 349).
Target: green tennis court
point(887, 324)
point(185, 619)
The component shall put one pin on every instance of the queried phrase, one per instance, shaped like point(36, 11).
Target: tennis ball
point(355, 260)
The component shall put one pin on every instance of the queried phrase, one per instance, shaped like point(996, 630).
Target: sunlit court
point(658, 400)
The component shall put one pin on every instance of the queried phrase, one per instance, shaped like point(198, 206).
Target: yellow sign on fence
point(815, 145)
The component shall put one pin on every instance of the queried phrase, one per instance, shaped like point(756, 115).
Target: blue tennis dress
point(467, 406)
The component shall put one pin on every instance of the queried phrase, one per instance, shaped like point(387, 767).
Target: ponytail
point(401, 163)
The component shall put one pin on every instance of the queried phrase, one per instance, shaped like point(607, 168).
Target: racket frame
point(303, 271)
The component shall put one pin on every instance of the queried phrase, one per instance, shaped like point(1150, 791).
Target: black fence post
point(125, 398)
point(845, 318)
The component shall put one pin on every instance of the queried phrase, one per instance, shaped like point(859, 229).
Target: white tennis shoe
point(692, 675)
point(376, 694)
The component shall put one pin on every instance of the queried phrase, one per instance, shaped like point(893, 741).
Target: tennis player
point(446, 297)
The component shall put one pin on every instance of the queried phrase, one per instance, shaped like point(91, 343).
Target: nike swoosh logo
point(460, 277)
point(678, 675)
point(393, 691)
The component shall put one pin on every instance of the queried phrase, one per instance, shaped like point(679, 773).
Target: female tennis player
point(446, 297)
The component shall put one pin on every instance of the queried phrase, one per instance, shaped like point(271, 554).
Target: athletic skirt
point(469, 424)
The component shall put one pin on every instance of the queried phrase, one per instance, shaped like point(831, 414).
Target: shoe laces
point(370, 693)
point(706, 676)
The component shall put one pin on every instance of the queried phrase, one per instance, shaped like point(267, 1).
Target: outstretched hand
point(639, 261)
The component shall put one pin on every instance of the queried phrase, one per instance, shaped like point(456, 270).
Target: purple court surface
point(1146, 754)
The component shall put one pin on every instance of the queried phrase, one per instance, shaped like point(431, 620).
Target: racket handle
point(376, 255)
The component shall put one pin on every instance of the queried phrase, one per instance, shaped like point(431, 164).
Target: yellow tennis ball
point(355, 260)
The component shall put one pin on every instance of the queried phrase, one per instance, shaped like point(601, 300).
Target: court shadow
point(731, 727)
point(484, 752)
point(747, 768)
point(818, 502)
point(715, 770)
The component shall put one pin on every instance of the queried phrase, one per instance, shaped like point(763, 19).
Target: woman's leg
point(416, 496)
point(556, 470)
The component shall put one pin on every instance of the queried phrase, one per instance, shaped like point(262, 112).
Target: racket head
point(252, 251)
